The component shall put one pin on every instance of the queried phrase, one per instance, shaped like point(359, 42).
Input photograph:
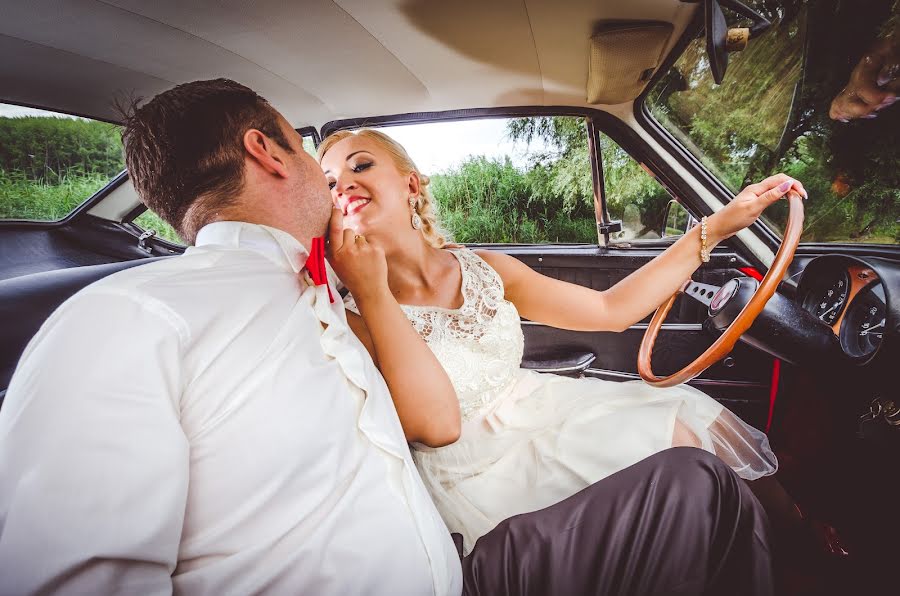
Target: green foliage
point(24, 198)
point(485, 200)
point(765, 119)
point(148, 220)
point(47, 149)
point(49, 166)
point(552, 198)
point(631, 195)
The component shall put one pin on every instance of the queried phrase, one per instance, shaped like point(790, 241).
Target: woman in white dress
point(499, 440)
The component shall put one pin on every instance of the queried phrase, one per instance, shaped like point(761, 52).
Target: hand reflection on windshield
point(875, 81)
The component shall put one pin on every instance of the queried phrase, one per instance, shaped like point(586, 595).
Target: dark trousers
point(680, 522)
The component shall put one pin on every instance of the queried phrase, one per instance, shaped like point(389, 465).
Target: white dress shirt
point(208, 424)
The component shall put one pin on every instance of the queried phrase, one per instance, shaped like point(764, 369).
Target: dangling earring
point(416, 220)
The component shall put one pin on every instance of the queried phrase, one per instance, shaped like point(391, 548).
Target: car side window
point(507, 180)
point(309, 144)
point(52, 162)
point(633, 196)
point(148, 220)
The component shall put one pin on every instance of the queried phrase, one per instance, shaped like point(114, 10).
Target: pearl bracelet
point(704, 251)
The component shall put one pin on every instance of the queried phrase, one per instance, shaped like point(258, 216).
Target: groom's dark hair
point(184, 148)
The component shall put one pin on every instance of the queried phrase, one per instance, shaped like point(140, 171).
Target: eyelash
point(360, 167)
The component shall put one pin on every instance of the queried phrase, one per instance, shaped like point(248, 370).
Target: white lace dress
point(530, 440)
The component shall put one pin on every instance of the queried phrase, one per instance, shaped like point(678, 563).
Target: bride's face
point(367, 187)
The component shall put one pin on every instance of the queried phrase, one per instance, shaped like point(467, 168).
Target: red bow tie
point(315, 264)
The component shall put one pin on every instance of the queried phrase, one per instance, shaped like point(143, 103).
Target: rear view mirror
point(677, 221)
point(720, 39)
point(716, 34)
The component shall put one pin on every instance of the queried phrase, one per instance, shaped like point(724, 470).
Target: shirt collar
point(277, 245)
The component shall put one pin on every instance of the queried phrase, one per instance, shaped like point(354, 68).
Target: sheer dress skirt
point(548, 437)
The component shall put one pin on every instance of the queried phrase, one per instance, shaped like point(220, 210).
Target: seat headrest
point(27, 301)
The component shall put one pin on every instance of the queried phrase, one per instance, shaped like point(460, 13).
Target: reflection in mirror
point(677, 221)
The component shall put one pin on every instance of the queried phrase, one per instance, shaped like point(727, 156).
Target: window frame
point(310, 131)
point(596, 121)
point(601, 121)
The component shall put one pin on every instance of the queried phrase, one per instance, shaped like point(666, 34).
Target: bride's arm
point(570, 306)
point(423, 395)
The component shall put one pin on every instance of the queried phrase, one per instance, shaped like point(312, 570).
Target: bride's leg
point(682, 436)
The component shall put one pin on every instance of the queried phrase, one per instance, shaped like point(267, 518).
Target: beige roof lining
point(368, 57)
point(381, 43)
point(170, 26)
point(537, 55)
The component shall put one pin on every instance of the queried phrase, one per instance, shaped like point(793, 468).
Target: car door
point(745, 381)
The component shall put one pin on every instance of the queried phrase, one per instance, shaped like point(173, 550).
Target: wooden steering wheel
point(741, 323)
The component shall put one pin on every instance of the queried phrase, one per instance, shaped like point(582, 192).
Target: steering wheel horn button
point(725, 293)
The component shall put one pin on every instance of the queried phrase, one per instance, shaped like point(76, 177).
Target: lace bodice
point(479, 344)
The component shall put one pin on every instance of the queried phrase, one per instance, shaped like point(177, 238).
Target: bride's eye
point(331, 184)
point(361, 167)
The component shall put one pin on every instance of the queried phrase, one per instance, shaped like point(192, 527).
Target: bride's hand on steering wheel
point(748, 205)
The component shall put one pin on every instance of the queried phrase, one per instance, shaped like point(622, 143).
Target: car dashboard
point(848, 295)
point(858, 301)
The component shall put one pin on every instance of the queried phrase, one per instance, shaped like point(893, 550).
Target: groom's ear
point(265, 152)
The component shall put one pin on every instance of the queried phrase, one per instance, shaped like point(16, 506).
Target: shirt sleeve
point(350, 303)
point(93, 460)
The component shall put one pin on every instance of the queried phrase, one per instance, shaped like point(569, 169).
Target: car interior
point(812, 366)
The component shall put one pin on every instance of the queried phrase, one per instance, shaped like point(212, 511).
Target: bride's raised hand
point(748, 205)
point(423, 395)
point(361, 266)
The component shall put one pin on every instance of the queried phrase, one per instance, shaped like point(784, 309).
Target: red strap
point(773, 390)
point(315, 264)
point(752, 272)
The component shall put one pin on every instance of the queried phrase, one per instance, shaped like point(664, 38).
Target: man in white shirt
point(208, 424)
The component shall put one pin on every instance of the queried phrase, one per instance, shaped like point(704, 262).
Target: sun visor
point(623, 58)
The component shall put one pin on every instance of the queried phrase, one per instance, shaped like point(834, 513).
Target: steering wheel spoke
point(700, 292)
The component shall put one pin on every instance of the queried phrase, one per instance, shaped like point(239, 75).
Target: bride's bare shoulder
point(508, 268)
point(495, 258)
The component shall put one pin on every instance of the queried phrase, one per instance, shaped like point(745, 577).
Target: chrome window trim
point(638, 326)
point(628, 376)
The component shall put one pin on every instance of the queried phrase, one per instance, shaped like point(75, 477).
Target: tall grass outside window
point(50, 163)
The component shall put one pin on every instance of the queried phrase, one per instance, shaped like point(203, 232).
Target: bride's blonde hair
point(424, 205)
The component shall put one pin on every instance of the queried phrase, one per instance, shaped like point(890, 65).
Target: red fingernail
point(784, 186)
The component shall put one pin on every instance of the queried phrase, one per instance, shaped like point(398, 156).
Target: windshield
point(812, 97)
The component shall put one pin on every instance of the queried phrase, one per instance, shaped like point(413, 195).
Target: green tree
point(771, 114)
point(49, 149)
point(567, 175)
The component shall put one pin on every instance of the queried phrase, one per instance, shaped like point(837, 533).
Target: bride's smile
point(354, 205)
